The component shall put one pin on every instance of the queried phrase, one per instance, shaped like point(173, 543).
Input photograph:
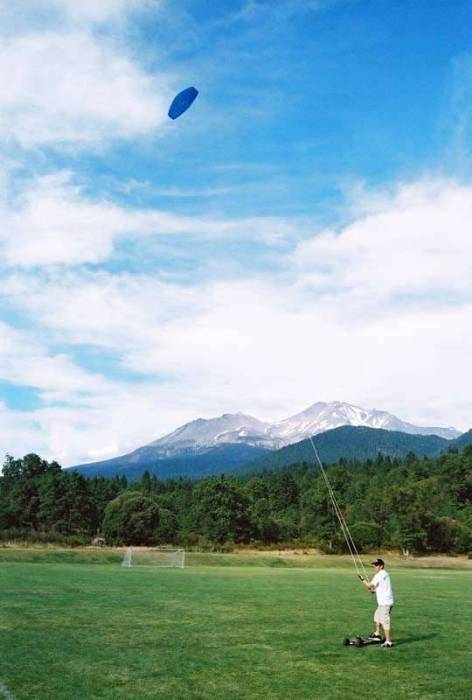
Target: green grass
point(74, 627)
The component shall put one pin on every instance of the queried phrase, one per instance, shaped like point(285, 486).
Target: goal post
point(158, 556)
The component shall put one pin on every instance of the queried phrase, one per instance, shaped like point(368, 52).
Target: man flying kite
point(382, 586)
point(380, 583)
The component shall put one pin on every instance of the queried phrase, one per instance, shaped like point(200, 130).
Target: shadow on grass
point(412, 640)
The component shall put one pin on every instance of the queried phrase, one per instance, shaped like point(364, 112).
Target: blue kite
point(182, 102)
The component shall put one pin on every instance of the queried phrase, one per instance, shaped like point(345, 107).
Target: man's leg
point(377, 625)
point(386, 626)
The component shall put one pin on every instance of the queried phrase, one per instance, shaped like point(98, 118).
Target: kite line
point(360, 570)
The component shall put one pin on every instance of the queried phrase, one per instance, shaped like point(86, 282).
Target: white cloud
point(24, 360)
point(416, 242)
point(78, 409)
point(67, 76)
point(283, 10)
point(20, 434)
point(91, 11)
point(53, 222)
point(81, 415)
point(72, 90)
point(25, 15)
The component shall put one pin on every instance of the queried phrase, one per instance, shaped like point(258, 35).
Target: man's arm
point(368, 584)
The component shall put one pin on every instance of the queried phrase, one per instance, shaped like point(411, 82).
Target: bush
point(131, 519)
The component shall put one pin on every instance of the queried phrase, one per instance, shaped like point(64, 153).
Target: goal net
point(154, 557)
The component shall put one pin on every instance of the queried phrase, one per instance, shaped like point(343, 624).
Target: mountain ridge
point(233, 439)
point(348, 442)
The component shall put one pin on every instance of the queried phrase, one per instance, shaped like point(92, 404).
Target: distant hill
point(462, 441)
point(191, 464)
point(353, 443)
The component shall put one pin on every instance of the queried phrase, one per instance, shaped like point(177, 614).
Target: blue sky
point(302, 233)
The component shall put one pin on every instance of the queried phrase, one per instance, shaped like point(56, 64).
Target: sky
point(302, 233)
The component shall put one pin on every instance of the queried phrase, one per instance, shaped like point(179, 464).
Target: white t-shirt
point(383, 588)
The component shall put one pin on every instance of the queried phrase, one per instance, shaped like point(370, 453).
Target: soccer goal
point(154, 557)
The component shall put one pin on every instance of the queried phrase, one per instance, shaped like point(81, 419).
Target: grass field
point(79, 626)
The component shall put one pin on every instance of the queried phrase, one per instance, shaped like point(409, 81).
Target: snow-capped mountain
point(325, 416)
point(230, 428)
point(239, 428)
point(203, 447)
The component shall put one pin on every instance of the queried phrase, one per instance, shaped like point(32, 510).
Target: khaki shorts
point(382, 615)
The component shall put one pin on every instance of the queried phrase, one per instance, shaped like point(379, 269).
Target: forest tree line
point(416, 505)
